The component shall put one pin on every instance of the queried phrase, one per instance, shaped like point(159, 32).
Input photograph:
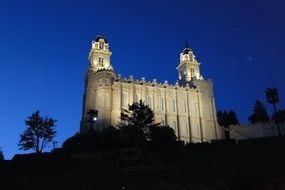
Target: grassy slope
point(244, 166)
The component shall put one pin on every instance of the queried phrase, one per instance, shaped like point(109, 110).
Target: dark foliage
point(259, 113)
point(108, 138)
point(279, 117)
point(1, 155)
point(162, 135)
point(136, 123)
point(40, 131)
point(226, 119)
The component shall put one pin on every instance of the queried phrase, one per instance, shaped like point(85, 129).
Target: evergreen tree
point(232, 118)
point(259, 113)
point(163, 135)
point(226, 119)
point(40, 131)
point(137, 122)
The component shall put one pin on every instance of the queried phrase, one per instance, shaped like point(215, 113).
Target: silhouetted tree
point(162, 135)
point(226, 119)
point(1, 155)
point(137, 121)
point(279, 116)
point(232, 118)
point(259, 113)
point(40, 131)
point(107, 138)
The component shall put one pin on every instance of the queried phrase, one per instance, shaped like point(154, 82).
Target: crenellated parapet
point(154, 83)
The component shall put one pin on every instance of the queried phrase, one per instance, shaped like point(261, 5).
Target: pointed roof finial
point(186, 44)
point(186, 49)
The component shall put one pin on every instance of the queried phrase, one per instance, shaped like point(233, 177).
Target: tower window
point(101, 45)
point(101, 61)
point(192, 72)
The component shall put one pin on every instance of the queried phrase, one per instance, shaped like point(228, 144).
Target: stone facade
point(188, 106)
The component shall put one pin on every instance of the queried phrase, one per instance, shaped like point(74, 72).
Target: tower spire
point(99, 56)
point(186, 45)
point(188, 67)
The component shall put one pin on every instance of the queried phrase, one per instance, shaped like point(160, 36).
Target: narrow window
point(107, 100)
point(185, 106)
point(136, 98)
point(192, 72)
point(101, 45)
point(174, 126)
point(124, 100)
point(101, 61)
point(160, 103)
point(172, 105)
point(148, 101)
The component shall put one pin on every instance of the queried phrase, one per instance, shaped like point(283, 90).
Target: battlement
point(153, 83)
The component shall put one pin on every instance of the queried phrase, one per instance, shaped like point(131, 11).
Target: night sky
point(44, 47)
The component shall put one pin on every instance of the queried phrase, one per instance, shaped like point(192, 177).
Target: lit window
point(101, 45)
point(192, 72)
point(101, 61)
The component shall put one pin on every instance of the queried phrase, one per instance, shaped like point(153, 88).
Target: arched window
point(148, 101)
point(160, 103)
point(101, 61)
point(172, 104)
point(192, 72)
point(101, 45)
point(107, 100)
point(99, 100)
point(184, 106)
point(107, 82)
point(194, 107)
point(137, 98)
point(187, 128)
point(124, 100)
point(100, 82)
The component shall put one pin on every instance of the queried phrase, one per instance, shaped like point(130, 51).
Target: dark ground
point(258, 164)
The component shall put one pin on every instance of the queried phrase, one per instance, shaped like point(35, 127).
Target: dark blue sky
point(44, 47)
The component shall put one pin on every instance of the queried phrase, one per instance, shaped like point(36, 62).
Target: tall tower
point(99, 56)
point(188, 67)
point(98, 86)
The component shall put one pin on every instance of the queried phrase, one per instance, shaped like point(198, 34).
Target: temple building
point(188, 106)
